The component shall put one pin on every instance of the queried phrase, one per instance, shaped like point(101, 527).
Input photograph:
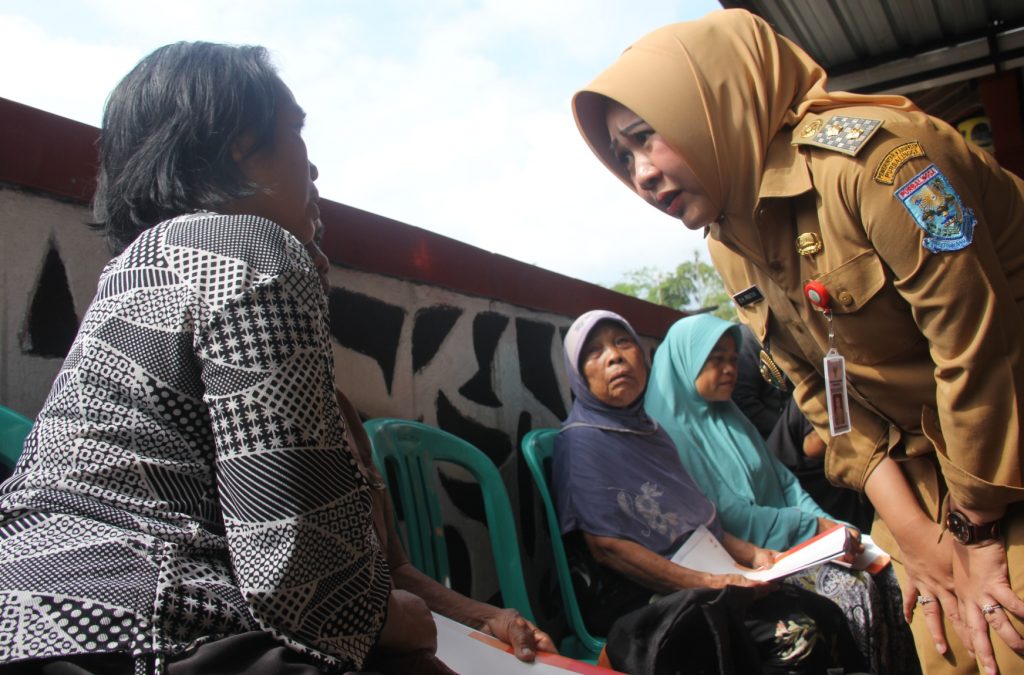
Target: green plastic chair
point(405, 452)
point(13, 430)
point(538, 446)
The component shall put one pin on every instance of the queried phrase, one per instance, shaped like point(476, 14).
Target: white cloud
point(69, 77)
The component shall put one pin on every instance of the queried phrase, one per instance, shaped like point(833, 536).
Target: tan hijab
point(718, 90)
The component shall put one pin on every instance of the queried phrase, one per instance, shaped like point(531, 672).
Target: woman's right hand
point(764, 558)
point(410, 625)
point(928, 561)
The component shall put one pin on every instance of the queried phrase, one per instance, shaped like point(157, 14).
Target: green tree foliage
point(694, 285)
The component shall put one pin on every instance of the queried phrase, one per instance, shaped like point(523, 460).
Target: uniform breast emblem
point(770, 371)
point(938, 210)
point(808, 244)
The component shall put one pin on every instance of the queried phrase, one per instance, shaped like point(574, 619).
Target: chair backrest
point(538, 447)
point(405, 452)
point(13, 430)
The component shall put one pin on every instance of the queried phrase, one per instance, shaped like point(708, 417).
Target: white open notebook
point(704, 553)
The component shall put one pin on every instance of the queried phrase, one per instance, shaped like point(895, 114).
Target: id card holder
point(835, 394)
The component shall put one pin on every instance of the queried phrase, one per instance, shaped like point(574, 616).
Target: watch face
point(959, 527)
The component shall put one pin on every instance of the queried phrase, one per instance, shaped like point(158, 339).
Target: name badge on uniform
point(748, 296)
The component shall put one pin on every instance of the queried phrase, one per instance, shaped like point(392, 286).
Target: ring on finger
point(988, 610)
point(925, 600)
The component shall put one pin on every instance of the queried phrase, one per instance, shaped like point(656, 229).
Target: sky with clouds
point(451, 115)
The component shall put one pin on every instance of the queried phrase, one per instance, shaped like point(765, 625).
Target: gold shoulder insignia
point(840, 133)
point(897, 157)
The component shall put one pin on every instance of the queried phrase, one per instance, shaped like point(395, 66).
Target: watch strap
point(968, 532)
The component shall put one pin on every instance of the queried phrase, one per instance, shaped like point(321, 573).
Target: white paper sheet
point(469, 655)
point(704, 553)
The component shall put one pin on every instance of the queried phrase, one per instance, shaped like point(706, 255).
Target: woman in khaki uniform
point(913, 240)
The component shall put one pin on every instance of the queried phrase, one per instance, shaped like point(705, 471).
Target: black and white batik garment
point(187, 478)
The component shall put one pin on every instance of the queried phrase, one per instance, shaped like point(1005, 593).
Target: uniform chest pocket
point(873, 323)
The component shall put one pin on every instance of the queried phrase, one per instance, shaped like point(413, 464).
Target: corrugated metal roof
point(900, 45)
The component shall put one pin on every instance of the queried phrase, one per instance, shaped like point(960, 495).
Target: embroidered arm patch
point(938, 210)
point(885, 173)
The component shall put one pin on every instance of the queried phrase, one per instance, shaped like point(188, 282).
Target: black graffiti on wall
point(431, 327)
point(533, 340)
point(487, 330)
point(368, 326)
point(51, 324)
point(373, 327)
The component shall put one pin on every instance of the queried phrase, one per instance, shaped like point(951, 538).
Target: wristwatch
point(967, 533)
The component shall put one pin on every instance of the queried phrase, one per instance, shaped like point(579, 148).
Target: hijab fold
point(616, 473)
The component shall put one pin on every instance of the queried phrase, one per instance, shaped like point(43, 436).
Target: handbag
point(698, 631)
point(734, 631)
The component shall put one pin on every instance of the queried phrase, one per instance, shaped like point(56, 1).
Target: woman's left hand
point(983, 590)
point(825, 524)
point(510, 627)
point(854, 545)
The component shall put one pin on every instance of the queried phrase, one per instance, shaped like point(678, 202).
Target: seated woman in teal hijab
point(759, 500)
point(692, 380)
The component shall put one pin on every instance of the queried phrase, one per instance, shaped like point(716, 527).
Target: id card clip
point(835, 393)
point(833, 365)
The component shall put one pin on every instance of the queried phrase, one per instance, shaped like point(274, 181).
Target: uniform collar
point(785, 172)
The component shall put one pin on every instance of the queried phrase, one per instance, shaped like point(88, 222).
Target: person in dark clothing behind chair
point(762, 401)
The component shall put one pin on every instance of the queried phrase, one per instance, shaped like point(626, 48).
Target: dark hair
point(168, 132)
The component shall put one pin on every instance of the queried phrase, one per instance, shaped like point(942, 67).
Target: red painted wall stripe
point(42, 151)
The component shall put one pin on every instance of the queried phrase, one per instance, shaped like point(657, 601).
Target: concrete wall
point(424, 327)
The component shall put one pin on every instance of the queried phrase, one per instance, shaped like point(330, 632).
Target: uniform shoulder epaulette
point(840, 133)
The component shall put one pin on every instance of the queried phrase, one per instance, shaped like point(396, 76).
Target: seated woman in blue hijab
point(757, 497)
point(626, 504)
